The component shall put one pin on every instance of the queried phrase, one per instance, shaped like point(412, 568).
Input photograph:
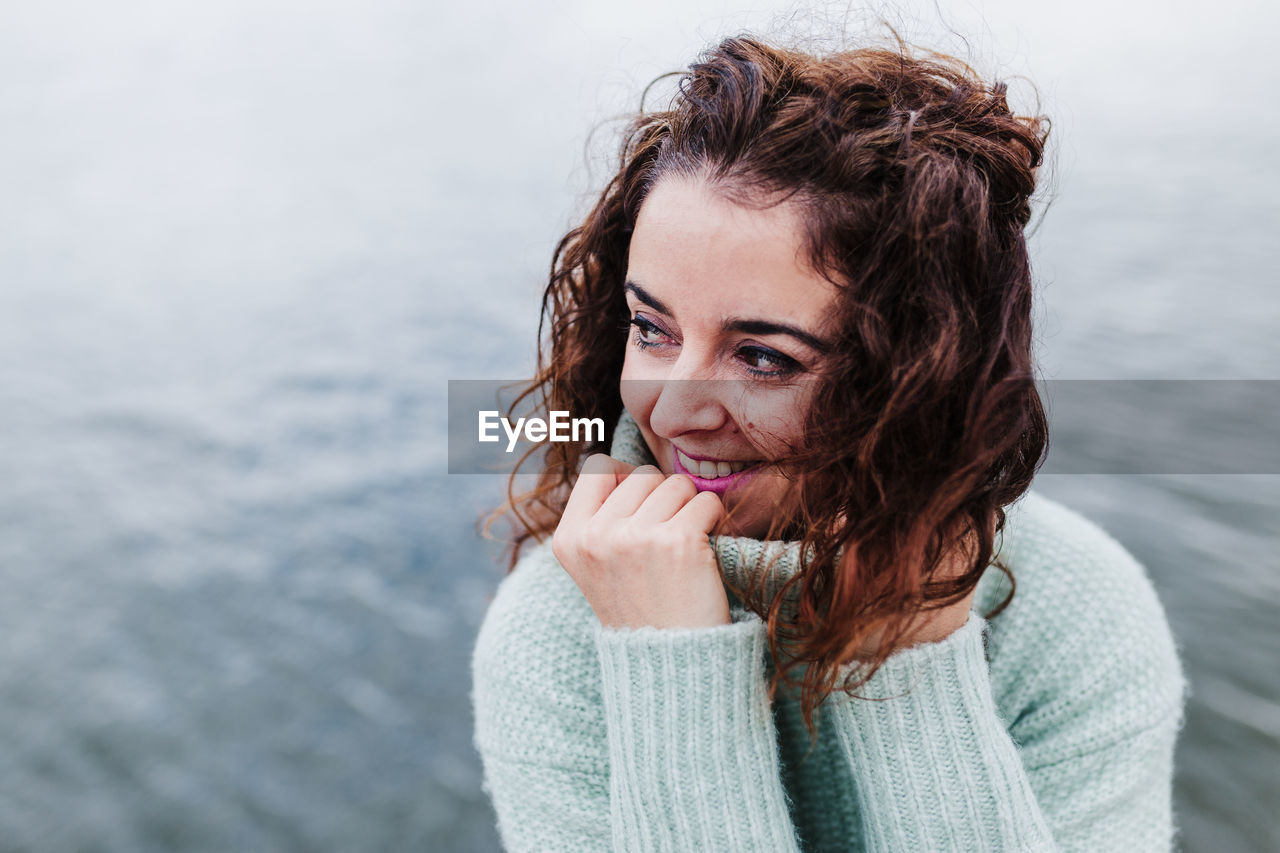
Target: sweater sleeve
point(538, 718)
point(596, 739)
point(692, 746)
point(936, 768)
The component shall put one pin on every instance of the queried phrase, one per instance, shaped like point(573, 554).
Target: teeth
point(708, 470)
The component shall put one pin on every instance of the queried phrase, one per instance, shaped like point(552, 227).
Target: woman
point(776, 612)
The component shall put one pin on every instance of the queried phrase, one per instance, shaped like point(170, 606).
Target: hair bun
point(963, 120)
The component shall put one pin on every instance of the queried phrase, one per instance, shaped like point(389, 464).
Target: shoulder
point(1060, 558)
point(1085, 636)
point(537, 622)
point(535, 665)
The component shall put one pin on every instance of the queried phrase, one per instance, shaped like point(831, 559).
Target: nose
point(689, 400)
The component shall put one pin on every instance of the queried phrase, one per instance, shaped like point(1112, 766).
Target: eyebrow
point(648, 298)
point(766, 327)
point(749, 327)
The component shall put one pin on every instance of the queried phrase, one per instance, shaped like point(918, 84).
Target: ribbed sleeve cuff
point(936, 767)
point(692, 750)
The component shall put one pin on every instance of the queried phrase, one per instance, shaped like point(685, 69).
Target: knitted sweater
point(1058, 736)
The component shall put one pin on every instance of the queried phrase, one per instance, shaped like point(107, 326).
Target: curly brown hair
point(915, 181)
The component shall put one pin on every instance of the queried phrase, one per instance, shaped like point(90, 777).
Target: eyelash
point(641, 326)
point(786, 366)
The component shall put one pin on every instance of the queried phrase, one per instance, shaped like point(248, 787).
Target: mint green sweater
point(1059, 737)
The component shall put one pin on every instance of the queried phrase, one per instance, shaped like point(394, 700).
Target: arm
point(691, 738)
point(933, 765)
point(936, 766)
point(1064, 741)
point(595, 738)
point(538, 717)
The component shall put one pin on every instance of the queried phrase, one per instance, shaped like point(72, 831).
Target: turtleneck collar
point(743, 560)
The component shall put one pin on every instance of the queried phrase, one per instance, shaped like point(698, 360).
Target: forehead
point(702, 254)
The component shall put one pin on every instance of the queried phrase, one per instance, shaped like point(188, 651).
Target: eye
point(647, 333)
point(761, 361)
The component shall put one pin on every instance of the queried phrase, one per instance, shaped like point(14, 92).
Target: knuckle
point(631, 536)
point(557, 545)
point(670, 537)
point(597, 463)
point(646, 472)
point(562, 545)
point(593, 546)
point(709, 500)
point(682, 484)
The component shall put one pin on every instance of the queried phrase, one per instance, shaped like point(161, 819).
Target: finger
point(703, 512)
point(599, 477)
point(666, 500)
point(631, 492)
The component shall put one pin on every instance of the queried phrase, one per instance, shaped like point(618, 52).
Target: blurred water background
point(244, 245)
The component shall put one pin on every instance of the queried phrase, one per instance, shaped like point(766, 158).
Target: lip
point(719, 485)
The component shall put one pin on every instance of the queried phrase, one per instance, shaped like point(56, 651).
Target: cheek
point(639, 395)
point(774, 421)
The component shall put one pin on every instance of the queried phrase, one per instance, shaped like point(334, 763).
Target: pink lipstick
point(719, 485)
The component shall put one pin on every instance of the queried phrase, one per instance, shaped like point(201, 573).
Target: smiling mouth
point(708, 469)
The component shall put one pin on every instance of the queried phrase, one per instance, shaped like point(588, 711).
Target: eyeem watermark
point(559, 427)
point(493, 426)
point(1096, 426)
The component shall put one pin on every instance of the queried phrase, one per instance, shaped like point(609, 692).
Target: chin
point(751, 516)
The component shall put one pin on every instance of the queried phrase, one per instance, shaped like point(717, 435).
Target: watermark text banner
point(1096, 426)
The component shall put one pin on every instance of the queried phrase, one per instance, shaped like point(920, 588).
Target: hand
point(635, 542)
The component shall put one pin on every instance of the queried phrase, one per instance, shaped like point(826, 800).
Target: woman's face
point(728, 329)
